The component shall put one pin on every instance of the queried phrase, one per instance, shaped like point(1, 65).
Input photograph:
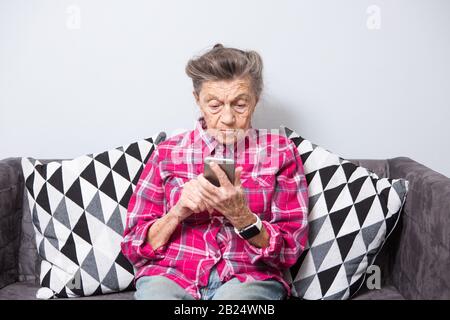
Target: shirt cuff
point(270, 252)
point(144, 248)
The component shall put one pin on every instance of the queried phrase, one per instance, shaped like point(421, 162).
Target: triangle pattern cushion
point(352, 212)
point(79, 209)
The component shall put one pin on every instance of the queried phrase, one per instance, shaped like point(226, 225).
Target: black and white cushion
point(351, 213)
point(78, 210)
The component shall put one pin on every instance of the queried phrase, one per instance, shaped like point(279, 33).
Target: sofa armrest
point(421, 261)
point(11, 195)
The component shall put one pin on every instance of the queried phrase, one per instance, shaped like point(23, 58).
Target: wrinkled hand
point(191, 201)
point(229, 199)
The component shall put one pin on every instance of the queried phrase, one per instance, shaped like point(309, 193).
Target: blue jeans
point(162, 288)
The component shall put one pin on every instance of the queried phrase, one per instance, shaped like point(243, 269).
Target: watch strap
point(251, 230)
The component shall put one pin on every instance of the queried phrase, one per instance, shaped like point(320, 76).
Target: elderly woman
point(191, 239)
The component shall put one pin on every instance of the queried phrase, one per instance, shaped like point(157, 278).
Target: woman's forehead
point(240, 88)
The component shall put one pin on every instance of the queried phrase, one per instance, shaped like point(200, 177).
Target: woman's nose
point(227, 115)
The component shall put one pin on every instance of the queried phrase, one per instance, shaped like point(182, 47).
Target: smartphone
point(227, 166)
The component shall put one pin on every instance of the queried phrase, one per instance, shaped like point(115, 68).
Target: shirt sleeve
point(288, 227)
point(145, 207)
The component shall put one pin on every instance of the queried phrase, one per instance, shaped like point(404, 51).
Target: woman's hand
point(190, 201)
point(229, 199)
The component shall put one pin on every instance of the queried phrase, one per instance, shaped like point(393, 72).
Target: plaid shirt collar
point(200, 131)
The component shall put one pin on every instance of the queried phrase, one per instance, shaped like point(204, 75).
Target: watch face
point(250, 232)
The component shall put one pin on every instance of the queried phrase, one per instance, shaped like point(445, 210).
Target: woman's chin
point(230, 138)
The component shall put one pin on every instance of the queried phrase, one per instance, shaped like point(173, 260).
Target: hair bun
point(218, 45)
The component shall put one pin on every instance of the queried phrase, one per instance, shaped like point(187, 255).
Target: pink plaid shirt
point(276, 190)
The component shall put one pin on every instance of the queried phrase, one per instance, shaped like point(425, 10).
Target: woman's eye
point(241, 107)
point(214, 108)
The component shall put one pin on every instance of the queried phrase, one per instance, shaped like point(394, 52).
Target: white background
point(79, 77)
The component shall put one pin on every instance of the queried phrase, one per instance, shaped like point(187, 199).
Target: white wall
point(360, 86)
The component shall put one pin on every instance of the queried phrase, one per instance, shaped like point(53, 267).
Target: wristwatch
point(251, 230)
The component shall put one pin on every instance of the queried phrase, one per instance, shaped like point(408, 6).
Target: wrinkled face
point(227, 107)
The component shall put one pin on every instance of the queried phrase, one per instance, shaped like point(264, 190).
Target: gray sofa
point(414, 263)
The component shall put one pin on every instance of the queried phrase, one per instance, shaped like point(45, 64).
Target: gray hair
point(221, 63)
